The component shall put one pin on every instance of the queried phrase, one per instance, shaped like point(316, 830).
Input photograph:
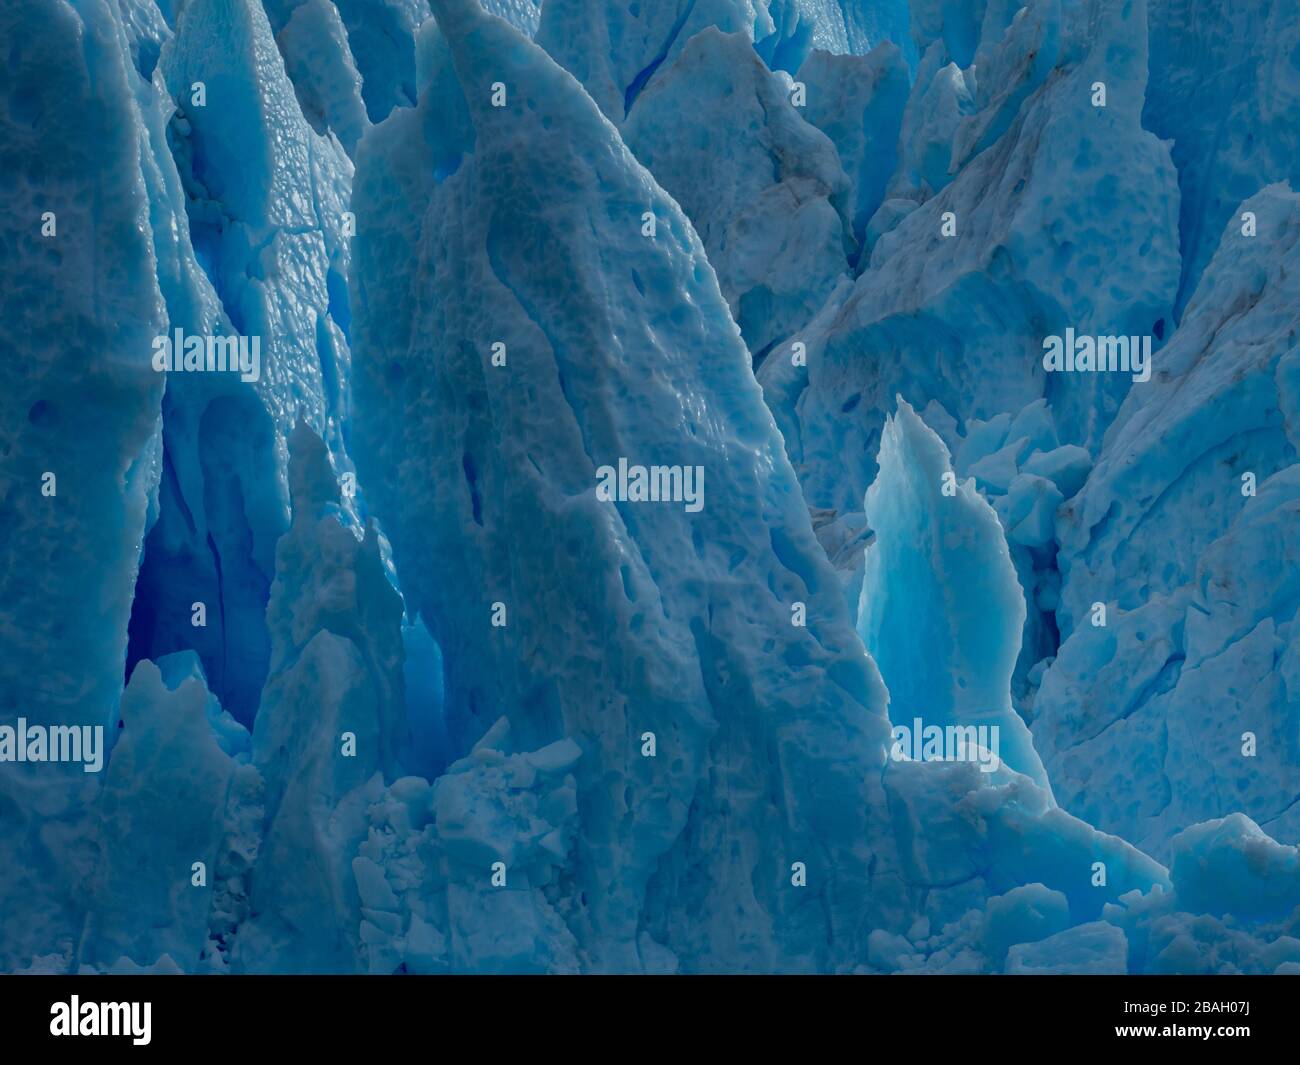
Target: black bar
point(600, 1016)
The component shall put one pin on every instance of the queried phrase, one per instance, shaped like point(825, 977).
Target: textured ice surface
point(764, 189)
point(513, 517)
point(319, 62)
point(172, 797)
point(959, 319)
point(615, 48)
point(858, 102)
point(1224, 90)
point(247, 211)
point(558, 729)
point(80, 405)
point(1197, 649)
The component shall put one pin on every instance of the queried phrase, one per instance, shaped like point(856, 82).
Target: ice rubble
point(501, 812)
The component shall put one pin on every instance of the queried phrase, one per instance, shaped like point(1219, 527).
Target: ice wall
point(1188, 674)
point(686, 592)
point(1223, 89)
point(558, 726)
point(79, 431)
point(965, 281)
point(858, 102)
point(259, 200)
point(763, 188)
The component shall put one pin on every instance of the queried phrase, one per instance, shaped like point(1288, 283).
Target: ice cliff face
point(648, 481)
point(251, 245)
point(764, 189)
point(1223, 90)
point(80, 429)
point(525, 617)
point(1196, 656)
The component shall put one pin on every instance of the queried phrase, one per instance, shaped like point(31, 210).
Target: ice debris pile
point(642, 463)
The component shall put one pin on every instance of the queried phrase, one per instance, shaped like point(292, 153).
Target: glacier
point(651, 540)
